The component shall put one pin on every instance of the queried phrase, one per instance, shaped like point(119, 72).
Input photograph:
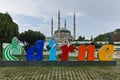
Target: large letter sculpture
point(90, 50)
point(106, 53)
point(35, 52)
point(11, 50)
point(65, 50)
point(53, 46)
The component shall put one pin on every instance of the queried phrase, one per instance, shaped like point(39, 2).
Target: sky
point(93, 17)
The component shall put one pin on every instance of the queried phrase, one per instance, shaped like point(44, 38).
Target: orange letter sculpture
point(82, 52)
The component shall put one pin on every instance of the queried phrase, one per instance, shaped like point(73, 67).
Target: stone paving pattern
point(61, 73)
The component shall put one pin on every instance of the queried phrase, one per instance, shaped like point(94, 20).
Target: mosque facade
point(63, 34)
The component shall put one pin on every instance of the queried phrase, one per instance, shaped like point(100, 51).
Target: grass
point(60, 72)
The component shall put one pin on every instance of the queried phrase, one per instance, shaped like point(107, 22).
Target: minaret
point(74, 24)
point(65, 24)
point(91, 38)
point(59, 24)
point(52, 27)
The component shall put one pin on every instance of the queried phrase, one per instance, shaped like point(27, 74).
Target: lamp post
point(111, 39)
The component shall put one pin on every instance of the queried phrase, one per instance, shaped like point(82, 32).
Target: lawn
point(60, 72)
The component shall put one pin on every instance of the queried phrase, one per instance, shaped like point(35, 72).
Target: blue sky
point(94, 17)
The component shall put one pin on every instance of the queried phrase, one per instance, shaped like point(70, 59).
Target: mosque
point(63, 34)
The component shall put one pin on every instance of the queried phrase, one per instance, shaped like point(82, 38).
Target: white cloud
point(90, 14)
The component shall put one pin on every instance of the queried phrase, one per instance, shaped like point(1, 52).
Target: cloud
point(97, 16)
point(45, 8)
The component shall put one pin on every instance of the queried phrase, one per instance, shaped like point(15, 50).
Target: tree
point(80, 38)
point(101, 37)
point(8, 29)
point(107, 36)
point(30, 37)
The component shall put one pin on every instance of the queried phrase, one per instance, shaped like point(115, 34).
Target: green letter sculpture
point(11, 50)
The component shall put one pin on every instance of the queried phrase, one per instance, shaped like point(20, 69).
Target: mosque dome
point(65, 35)
point(63, 30)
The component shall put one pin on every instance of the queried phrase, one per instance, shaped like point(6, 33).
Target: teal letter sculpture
point(11, 50)
point(53, 47)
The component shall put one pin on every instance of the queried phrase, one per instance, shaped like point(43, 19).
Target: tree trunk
point(1, 49)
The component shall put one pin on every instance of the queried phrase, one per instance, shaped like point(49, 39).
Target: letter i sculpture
point(53, 46)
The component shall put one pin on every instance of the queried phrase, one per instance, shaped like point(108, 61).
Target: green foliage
point(81, 38)
point(105, 37)
point(101, 37)
point(8, 29)
point(31, 36)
